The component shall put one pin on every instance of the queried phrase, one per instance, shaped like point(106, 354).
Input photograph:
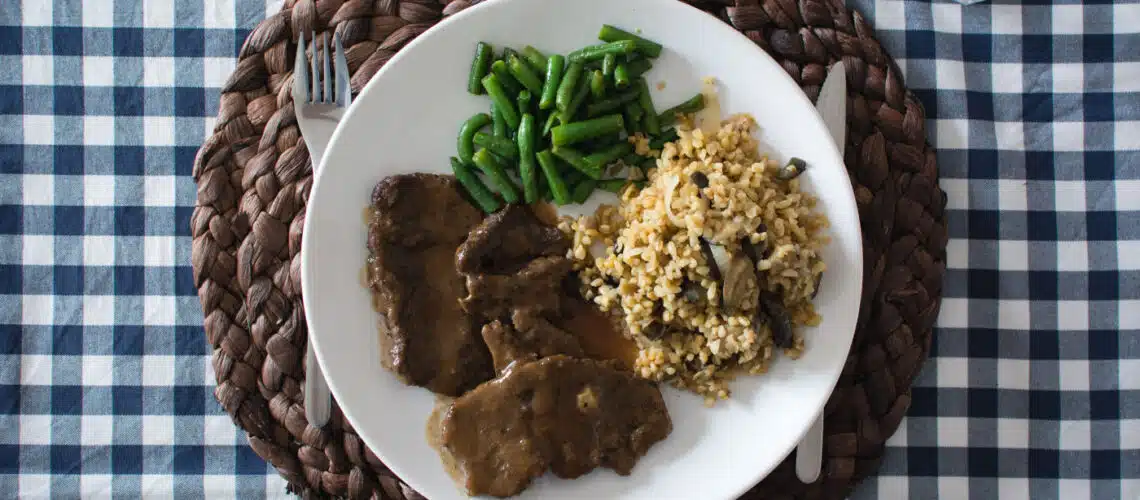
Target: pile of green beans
point(559, 122)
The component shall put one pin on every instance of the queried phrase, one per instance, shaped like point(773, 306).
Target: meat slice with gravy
point(427, 339)
point(564, 414)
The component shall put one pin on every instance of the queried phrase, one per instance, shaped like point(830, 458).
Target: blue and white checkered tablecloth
point(1033, 391)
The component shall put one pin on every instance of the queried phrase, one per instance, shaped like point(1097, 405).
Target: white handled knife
point(832, 107)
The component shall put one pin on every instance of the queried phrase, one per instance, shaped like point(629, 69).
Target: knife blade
point(832, 107)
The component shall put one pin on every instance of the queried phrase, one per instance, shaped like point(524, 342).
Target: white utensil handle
point(809, 453)
point(318, 401)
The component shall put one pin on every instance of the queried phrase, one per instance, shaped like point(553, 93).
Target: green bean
point(499, 145)
point(632, 113)
point(578, 161)
point(549, 123)
point(553, 178)
point(494, 171)
point(500, 70)
point(583, 190)
point(535, 57)
point(570, 133)
point(646, 47)
point(526, 158)
point(522, 72)
point(598, 85)
point(650, 120)
point(597, 52)
point(611, 104)
point(637, 67)
point(554, 66)
point(694, 104)
point(480, 65)
point(621, 76)
point(502, 101)
point(525, 99)
point(507, 53)
point(608, 63)
point(498, 125)
point(659, 141)
point(611, 154)
point(613, 185)
point(632, 159)
point(580, 95)
point(467, 132)
point(568, 86)
point(482, 196)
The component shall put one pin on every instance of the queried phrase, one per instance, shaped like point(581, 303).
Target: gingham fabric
point(1033, 390)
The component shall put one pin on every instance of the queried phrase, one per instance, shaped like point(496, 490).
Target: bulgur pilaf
point(711, 188)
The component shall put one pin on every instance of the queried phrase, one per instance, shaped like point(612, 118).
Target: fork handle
point(318, 401)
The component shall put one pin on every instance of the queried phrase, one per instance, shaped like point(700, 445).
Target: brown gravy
point(600, 336)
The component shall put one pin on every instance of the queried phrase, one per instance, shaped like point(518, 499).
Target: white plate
point(406, 120)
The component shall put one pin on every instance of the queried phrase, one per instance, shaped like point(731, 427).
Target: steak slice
point(527, 337)
point(506, 240)
point(418, 222)
point(566, 414)
point(537, 287)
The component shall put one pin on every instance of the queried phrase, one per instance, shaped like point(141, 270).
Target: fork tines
point(313, 78)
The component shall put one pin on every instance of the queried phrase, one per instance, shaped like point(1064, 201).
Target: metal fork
point(319, 109)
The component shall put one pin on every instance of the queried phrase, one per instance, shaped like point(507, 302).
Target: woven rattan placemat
point(254, 176)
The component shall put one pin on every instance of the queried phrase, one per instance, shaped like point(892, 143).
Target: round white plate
point(406, 120)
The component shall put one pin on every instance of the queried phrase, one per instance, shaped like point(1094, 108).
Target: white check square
point(39, 250)
point(1068, 78)
point(890, 15)
point(1013, 374)
point(947, 18)
point(1013, 314)
point(95, 486)
point(952, 133)
point(951, 74)
point(1127, 194)
point(158, 14)
point(158, 130)
point(98, 14)
point(953, 372)
point(957, 193)
point(1068, 20)
point(1128, 255)
point(1126, 74)
point(35, 369)
point(219, 14)
point(158, 486)
point(1072, 256)
point(98, 71)
point(158, 71)
point(1006, 77)
point(1073, 374)
point(954, 313)
point(1013, 433)
point(158, 251)
point(1069, 136)
point(158, 310)
point(98, 370)
point(1074, 489)
point(1130, 433)
point(158, 370)
point(218, 431)
point(157, 430)
point(36, 13)
point(1013, 255)
point(1069, 196)
point(38, 310)
point(1072, 315)
point(216, 70)
point(159, 191)
point(98, 130)
point(99, 190)
point(953, 432)
point(98, 250)
point(39, 129)
point(1010, 136)
point(1128, 370)
point(35, 429)
point(1075, 435)
point(1013, 195)
point(1126, 134)
point(96, 430)
point(957, 254)
point(38, 70)
point(39, 189)
point(1013, 488)
point(98, 310)
point(1005, 19)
